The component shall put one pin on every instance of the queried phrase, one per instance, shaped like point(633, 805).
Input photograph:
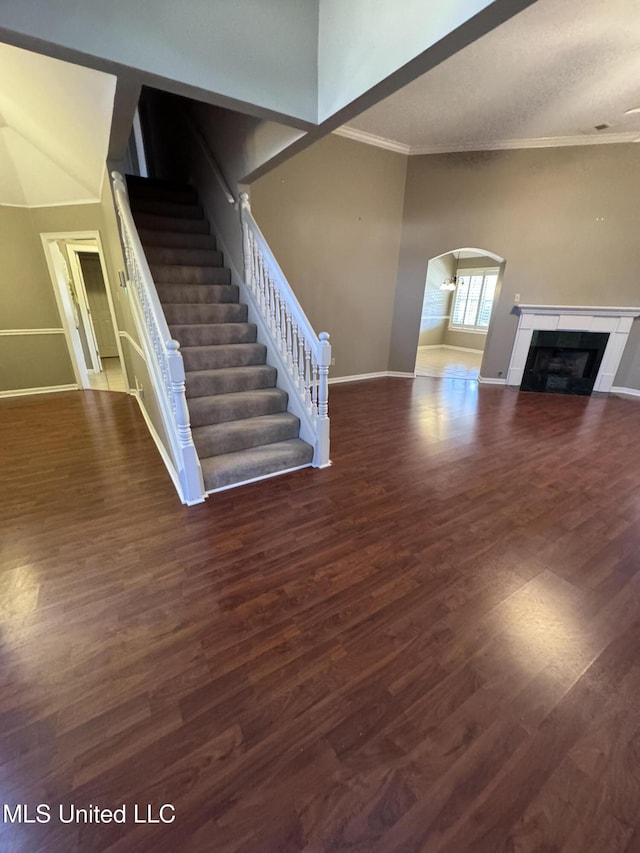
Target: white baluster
point(259, 282)
point(314, 385)
point(272, 305)
point(301, 359)
point(277, 317)
point(307, 373)
point(283, 326)
point(294, 347)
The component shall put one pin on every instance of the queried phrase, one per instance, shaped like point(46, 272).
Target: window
point(473, 300)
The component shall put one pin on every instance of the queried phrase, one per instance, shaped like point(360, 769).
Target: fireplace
point(584, 362)
point(564, 362)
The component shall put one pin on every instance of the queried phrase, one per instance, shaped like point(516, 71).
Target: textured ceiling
point(55, 119)
point(546, 76)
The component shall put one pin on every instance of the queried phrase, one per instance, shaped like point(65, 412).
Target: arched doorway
point(461, 287)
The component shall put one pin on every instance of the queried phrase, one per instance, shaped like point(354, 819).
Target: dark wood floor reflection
point(432, 646)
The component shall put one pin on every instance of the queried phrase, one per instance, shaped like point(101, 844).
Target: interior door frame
point(73, 251)
point(65, 307)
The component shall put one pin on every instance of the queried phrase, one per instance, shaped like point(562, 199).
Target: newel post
point(245, 208)
point(190, 470)
point(324, 363)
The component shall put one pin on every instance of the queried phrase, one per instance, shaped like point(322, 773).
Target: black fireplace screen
point(564, 362)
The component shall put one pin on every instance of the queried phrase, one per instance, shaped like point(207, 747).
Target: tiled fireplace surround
point(614, 320)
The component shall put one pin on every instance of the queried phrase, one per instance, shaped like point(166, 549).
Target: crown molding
point(540, 142)
point(497, 145)
point(372, 139)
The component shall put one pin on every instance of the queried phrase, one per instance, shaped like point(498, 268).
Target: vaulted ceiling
point(55, 120)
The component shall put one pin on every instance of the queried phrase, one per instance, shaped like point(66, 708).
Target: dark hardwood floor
point(433, 645)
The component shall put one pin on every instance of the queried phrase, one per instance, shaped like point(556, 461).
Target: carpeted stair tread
point(175, 239)
point(195, 334)
point(228, 380)
point(191, 294)
point(183, 257)
point(229, 437)
point(220, 408)
point(207, 313)
point(161, 207)
point(232, 468)
point(171, 223)
point(182, 274)
point(223, 355)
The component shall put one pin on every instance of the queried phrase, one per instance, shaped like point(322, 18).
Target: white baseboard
point(490, 381)
point(358, 377)
point(168, 463)
point(463, 349)
point(449, 346)
point(49, 389)
point(625, 392)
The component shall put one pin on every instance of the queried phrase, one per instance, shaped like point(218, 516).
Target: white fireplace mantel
point(616, 321)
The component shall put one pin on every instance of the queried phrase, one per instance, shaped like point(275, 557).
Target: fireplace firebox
point(564, 362)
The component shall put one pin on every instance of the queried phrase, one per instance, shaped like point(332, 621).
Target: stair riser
point(189, 275)
point(218, 441)
point(218, 410)
point(207, 385)
point(221, 471)
point(169, 223)
point(144, 194)
point(197, 294)
point(166, 208)
point(148, 188)
point(183, 257)
point(176, 239)
point(213, 335)
point(231, 355)
point(230, 312)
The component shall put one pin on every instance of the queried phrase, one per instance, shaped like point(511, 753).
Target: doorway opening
point(461, 288)
point(81, 286)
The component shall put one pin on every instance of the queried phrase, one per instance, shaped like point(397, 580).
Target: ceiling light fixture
point(632, 110)
point(450, 282)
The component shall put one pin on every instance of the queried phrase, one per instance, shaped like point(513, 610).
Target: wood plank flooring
point(432, 646)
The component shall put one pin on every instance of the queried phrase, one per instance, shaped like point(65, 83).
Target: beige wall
point(27, 301)
point(332, 216)
point(436, 303)
point(26, 296)
point(34, 361)
point(565, 219)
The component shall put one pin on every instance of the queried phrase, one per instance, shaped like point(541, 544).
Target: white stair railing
point(306, 356)
point(162, 354)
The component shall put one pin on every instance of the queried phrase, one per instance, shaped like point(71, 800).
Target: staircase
point(240, 424)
